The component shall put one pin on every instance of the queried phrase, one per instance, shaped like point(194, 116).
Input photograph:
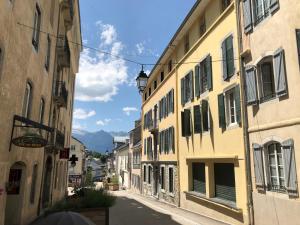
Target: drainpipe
point(244, 117)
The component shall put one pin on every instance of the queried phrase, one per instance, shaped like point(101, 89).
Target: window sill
point(217, 201)
point(232, 126)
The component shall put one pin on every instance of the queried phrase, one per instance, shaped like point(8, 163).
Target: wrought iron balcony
point(56, 142)
point(63, 51)
point(67, 7)
point(153, 126)
point(61, 94)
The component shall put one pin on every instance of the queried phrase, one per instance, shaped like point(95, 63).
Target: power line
point(117, 56)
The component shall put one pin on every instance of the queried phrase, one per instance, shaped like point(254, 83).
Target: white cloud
point(100, 75)
point(103, 122)
point(81, 114)
point(129, 110)
point(78, 126)
point(140, 48)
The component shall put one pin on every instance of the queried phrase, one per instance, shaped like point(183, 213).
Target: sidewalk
point(168, 214)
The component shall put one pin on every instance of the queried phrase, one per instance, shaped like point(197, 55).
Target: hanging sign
point(64, 154)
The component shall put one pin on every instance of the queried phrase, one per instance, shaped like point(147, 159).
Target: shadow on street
point(130, 212)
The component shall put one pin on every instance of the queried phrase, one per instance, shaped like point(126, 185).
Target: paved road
point(133, 209)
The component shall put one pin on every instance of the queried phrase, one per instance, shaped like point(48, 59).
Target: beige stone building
point(270, 50)
point(77, 166)
point(135, 153)
point(122, 165)
point(38, 64)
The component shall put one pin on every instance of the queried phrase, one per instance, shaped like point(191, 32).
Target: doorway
point(47, 183)
point(15, 194)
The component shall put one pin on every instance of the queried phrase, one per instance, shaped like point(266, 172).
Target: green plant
point(114, 180)
point(83, 199)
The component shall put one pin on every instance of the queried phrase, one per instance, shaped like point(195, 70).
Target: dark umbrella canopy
point(63, 218)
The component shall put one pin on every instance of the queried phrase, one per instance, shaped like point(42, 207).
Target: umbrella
point(63, 218)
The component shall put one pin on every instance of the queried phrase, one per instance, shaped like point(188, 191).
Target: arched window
point(276, 166)
point(42, 110)
point(27, 100)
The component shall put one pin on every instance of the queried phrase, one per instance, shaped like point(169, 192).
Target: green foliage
point(89, 178)
point(114, 180)
point(83, 199)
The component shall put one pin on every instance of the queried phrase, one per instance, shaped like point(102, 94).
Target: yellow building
point(193, 139)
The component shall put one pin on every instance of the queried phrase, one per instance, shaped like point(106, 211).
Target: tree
point(89, 177)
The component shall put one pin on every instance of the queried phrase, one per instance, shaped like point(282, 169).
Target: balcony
point(61, 94)
point(63, 51)
point(56, 142)
point(67, 8)
point(153, 126)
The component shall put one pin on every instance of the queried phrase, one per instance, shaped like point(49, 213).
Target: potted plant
point(113, 183)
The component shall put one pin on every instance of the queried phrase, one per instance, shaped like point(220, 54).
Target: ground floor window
point(162, 175)
point(145, 174)
point(149, 174)
point(225, 181)
point(171, 179)
point(198, 170)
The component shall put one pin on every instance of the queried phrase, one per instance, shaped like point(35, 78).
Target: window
point(170, 65)
point(166, 105)
point(166, 141)
point(145, 96)
point(162, 174)
point(187, 90)
point(149, 91)
point(186, 43)
point(36, 27)
point(42, 110)
point(198, 170)
point(203, 76)
point(267, 81)
point(162, 76)
point(201, 117)
point(228, 58)
point(202, 27)
point(225, 4)
point(155, 84)
point(27, 101)
point(171, 180)
point(148, 121)
point(149, 174)
point(298, 44)
point(33, 184)
point(225, 181)
point(14, 181)
point(145, 173)
point(276, 167)
point(229, 107)
point(72, 147)
point(186, 123)
point(262, 9)
point(47, 61)
point(205, 115)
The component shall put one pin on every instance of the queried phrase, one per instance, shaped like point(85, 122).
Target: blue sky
point(106, 97)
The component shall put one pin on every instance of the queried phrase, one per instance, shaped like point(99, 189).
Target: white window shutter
point(258, 166)
point(280, 73)
point(247, 16)
point(290, 168)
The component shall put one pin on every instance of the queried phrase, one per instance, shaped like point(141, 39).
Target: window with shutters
point(36, 27)
point(225, 4)
point(198, 174)
point(267, 82)
point(230, 107)
point(187, 90)
point(276, 167)
point(186, 43)
point(261, 9)
point(166, 105)
point(205, 116)
point(166, 141)
point(27, 101)
point(203, 76)
point(202, 26)
point(225, 181)
point(171, 179)
point(162, 177)
point(298, 44)
point(186, 123)
point(47, 61)
point(228, 58)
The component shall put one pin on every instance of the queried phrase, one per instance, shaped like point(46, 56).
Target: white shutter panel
point(279, 70)
point(251, 89)
point(258, 166)
point(247, 16)
point(290, 168)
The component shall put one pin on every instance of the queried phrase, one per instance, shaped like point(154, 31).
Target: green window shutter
point(170, 140)
point(173, 139)
point(197, 119)
point(290, 170)
point(197, 80)
point(159, 109)
point(159, 142)
point(205, 117)
point(145, 146)
point(230, 56)
point(247, 16)
point(182, 125)
point(251, 86)
point(237, 103)
point(167, 105)
point(182, 91)
point(258, 166)
point(221, 106)
point(191, 85)
point(172, 100)
point(187, 122)
point(274, 5)
point(224, 60)
point(208, 62)
point(166, 147)
point(279, 72)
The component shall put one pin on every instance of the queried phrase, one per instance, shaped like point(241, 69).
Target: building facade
point(37, 74)
point(135, 153)
point(76, 172)
point(123, 165)
point(270, 49)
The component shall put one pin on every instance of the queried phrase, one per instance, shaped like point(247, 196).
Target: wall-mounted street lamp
point(141, 80)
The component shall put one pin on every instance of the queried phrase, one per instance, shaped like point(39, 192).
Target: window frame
point(202, 26)
point(37, 21)
point(48, 53)
point(186, 43)
point(173, 180)
point(149, 174)
point(42, 111)
point(27, 101)
point(162, 178)
point(228, 108)
point(265, 61)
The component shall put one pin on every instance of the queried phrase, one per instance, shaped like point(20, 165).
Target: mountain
point(119, 133)
point(99, 141)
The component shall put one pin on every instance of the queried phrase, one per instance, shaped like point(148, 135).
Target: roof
point(78, 141)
